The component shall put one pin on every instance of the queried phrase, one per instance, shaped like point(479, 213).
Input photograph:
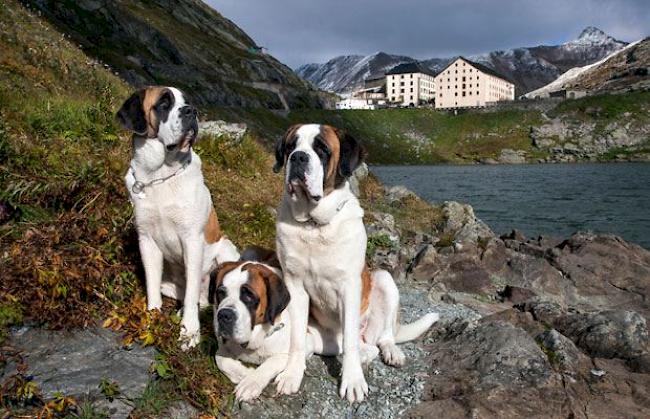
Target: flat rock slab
point(393, 391)
point(74, 363)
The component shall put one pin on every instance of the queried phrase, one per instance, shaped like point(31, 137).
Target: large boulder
point(75, 363)
point(607, 334)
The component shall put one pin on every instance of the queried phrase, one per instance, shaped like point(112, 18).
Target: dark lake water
point(546, 199)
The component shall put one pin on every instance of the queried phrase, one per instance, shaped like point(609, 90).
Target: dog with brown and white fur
point(178, 230)
point(321, 244)
point(253, 324)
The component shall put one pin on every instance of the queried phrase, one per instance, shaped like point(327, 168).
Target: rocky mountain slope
point(624, 70)
point(529, 67)
point(185, 43)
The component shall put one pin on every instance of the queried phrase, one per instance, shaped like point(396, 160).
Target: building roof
point(481, 67)
point(407, 68)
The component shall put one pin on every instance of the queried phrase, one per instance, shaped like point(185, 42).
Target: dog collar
point(313, 221)
point(138, 186)
point(275, 329)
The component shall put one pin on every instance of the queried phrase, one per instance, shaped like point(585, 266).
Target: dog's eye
point(247, 297)
point(221, 293)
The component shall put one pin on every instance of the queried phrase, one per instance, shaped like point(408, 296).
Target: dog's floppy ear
point(280, 147)
point(131, 114)
point(351, 154)
point(277, 296)
point(212, 287)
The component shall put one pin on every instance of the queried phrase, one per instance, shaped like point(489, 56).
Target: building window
point(477, 93)
point(463, 94)
point(401, 90)
point(440, 94)
point(401, 84)
point(455, 93)
point(411, 83)
point(463, 78)
point(411, 90)
point(470, 93)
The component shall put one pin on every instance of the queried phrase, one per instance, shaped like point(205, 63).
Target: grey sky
point(305, 31)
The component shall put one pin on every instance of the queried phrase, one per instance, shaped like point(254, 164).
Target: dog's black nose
point(188, 111)
point(299, 157)
point(226, 316)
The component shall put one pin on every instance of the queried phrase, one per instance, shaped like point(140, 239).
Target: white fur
point(268, 345)
point(314, 173)
point(321, 247)
point(170, 218)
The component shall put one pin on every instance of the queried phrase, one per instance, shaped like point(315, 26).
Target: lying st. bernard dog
point(321, 245)
point(178, 231)
point(253, 325)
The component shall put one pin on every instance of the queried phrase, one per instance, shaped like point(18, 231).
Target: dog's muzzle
point(226, 319)
point(298, 164)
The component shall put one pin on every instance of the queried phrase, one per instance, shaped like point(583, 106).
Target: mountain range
point(528, 67)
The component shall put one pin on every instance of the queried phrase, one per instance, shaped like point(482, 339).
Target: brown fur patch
point(224, 269)
point(366, 287)
point(256, 282)
point(334, 144)
point(212, 231)
point(151, 96)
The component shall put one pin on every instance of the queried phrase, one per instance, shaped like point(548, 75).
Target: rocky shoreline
point(530, 327)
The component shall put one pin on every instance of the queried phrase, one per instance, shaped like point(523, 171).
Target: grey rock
point(181, 410)
point(509, 156)
point(358, 175)
point(563, 350)
point(74, 363)
point(607, 334)
point(234, 131)
point(397, 193)
point(460, 219)
point(425, 264)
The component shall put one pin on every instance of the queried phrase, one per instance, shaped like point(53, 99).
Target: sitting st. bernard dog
point(253, 325)
point(178, 230)
point(321, 245)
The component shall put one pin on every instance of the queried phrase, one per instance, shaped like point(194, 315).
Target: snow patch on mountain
point(573, 74)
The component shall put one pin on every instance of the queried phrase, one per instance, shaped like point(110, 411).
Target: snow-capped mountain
point(529, 67)
point(626, 68)
point(346, 72)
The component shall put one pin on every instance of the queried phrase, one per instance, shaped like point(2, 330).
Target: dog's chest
point(167, 213)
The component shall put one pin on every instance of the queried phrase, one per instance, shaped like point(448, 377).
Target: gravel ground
point(392, 390)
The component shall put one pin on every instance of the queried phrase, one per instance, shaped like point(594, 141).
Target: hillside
point(529, 67)
point(185, 43)
point(626, 69)
point(69, 250)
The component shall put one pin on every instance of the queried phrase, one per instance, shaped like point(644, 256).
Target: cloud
point(305, 31)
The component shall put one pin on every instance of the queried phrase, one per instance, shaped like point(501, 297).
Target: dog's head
point(319, 158)
point(245, 294)
point(163, 113)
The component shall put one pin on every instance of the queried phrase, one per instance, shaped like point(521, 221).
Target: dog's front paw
point(288, 382)
point(190, 336)
point(353, 385)
point(249, 389)
point(154, 303)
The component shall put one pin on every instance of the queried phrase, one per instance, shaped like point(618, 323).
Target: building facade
point(410, 84)
point(467, 84)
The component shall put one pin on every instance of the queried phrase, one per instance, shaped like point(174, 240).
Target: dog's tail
point(408, 332)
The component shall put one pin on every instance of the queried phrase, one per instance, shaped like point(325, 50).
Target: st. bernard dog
point(321, 245)
point(253, 325)
point(178, 230)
